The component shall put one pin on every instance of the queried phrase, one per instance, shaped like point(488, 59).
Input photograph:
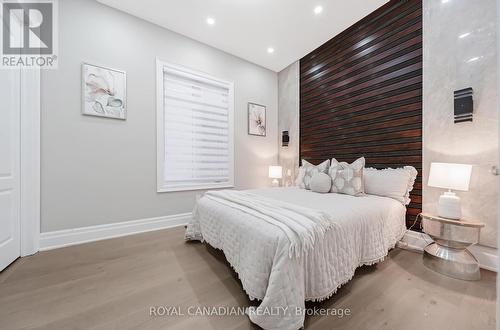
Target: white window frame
point(161, 66)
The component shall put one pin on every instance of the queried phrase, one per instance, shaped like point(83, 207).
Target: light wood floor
point(112, 284)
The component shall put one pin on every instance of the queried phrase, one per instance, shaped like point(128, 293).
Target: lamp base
point(449, 206)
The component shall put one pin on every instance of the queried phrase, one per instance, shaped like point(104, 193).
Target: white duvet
point(363, 229)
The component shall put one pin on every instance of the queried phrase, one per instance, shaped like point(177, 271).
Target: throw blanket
point(302, 226)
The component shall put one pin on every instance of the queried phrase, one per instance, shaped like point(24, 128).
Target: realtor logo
point(29, 37)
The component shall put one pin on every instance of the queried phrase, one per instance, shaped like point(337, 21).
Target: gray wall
point(96, 170)
point(446, 69)
point(288, 118)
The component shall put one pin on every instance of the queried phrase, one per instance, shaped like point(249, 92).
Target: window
point(195, 130)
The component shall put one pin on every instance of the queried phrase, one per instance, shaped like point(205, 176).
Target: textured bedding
point(362, 231)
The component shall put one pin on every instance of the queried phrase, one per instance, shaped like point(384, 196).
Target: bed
point(361, 231)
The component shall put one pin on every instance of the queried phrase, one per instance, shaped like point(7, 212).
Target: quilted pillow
point(347, 178)
point(395, 183)
point(321, 183)
point(308, 170)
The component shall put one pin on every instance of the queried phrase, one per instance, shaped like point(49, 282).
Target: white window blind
point(197, 130)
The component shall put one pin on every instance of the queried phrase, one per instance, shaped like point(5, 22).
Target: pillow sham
point(321, 183)
point(308, 170)
point(347, 178)
point(395, 183)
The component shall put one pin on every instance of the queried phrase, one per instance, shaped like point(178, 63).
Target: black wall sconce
point(285, 138)
point(464, 105)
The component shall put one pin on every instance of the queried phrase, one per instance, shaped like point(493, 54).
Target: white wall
point(446, 68)
point(288, 118)
point(96, 170)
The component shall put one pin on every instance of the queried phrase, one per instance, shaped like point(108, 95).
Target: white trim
point(30, 161)
point(201, 187)
point(68, 237)
point(487, 256)
point(161, 67)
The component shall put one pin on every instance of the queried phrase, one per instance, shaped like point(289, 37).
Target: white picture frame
point(256, 119)
point(104, 92)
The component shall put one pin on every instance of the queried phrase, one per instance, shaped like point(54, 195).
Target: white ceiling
point(246, 28)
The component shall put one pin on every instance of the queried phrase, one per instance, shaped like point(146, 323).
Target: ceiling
point(247, 28)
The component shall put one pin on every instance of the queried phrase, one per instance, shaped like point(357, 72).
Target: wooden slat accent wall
point(361, 94)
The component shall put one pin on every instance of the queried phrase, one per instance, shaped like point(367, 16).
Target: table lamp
point(275, 173)
point(452, 177)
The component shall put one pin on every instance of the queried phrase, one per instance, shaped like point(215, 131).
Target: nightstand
point(448, 254)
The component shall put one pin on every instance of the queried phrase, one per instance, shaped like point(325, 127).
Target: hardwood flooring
point(112, 284)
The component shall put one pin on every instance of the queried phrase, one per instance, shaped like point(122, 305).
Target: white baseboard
point(61, 238)
point(487, 256)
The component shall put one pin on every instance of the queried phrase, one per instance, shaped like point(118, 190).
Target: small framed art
point(104, 92)
point(256, 119)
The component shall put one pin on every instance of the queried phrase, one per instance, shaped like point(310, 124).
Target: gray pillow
point(309, 170)
point(321, 183)
point(347, 178)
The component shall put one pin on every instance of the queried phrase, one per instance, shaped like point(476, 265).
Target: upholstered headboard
point(361, 94)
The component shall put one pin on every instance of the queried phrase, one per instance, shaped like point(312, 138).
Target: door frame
point(30, 161)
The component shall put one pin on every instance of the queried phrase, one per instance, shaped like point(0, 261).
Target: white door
point(10, 239)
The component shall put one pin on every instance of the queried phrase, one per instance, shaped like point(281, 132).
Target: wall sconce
point(464, 105)
point(285, 139)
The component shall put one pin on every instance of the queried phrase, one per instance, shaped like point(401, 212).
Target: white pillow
point(307, 171)
point(395, 183)
point(321, 183)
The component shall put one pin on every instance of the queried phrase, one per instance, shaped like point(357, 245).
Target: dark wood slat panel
point(374, 35)
point(379, 105)
point(370, 83)
point(362, 127)
point(387, 99)
point(369, 114)
point(346, 82)
point(376, 92)
point(374, 139)
point(370, 57)
point(361, 94)
point(380, 133)
point(370, 24)
point(365, 62)
point(412, 148)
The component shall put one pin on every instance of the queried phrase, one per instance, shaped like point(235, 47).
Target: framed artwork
point(104, 92)
point(256, 119)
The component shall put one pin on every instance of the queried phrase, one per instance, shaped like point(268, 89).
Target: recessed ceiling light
point(270, 50)
point(210, 20)
point(465, 35)
point(318, 10)
point(445, 1)
point(474, 59)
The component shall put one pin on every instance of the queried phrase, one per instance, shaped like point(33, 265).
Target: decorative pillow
point(321, 183)
point(307, 171)
point(347, 178)
point(395, 183)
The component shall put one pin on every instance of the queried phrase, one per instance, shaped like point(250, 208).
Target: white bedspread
point(302, 226)
point(363, 229)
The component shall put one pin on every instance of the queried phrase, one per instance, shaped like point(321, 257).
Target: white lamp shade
point(450, 176)
point(275, 172)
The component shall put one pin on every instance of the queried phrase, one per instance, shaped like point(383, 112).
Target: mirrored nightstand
point(448, 254)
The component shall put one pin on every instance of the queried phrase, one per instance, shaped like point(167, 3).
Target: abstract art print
point(104, 92)
point(256, 119)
